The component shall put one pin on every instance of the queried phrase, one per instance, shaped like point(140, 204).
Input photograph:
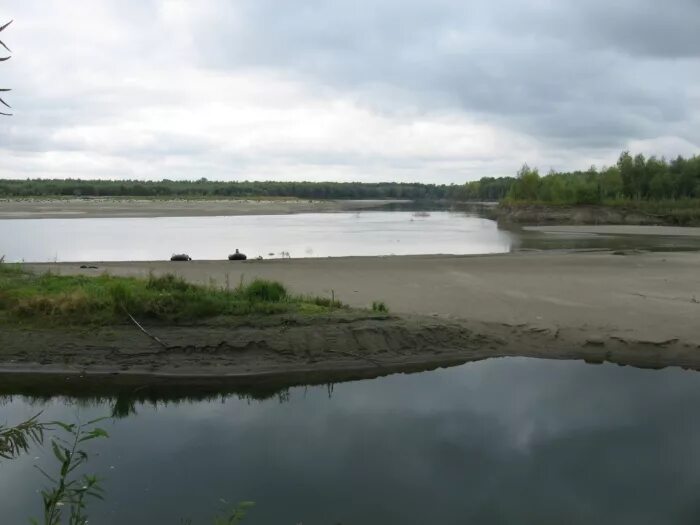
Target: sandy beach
point(640, 309)
point(120, 207)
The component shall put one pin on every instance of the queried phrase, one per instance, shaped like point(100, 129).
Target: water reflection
point(508, 440)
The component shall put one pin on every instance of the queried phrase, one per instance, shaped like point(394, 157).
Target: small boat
point(238, 256)
point(180, 257)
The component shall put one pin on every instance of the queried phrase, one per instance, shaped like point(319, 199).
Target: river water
point(301, 235)
point(510, 440)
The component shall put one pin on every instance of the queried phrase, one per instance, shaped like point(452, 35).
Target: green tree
point(611, 184)
point(527, 184)
point(625, 165)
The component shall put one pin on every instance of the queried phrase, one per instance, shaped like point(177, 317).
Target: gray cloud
point(593, 72)
point(561, 83)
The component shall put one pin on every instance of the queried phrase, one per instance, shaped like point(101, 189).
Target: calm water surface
point(498, 441)
point(302, 235)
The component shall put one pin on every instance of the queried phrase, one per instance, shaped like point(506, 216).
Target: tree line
point(204, 188)
point(631, 178)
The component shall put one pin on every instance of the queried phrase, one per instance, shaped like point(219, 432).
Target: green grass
point(103, 300)
point(379, 306)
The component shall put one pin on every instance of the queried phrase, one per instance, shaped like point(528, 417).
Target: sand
point(641, 309)
point(115, 207)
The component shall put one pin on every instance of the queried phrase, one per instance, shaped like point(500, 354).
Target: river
point(509, 440)
point(369, 233)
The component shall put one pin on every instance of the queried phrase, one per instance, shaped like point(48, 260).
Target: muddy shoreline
point(542, 215)
point(638, 309)
point(283, 352)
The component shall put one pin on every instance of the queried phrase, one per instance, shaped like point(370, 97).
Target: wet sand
point(116, 207)
point(640, 309)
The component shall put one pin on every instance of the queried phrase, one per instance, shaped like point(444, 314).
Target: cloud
point(440, 91)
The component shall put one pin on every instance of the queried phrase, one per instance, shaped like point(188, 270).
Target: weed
point(379, 306)
point(263, 290)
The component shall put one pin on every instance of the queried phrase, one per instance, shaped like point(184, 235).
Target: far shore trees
point(631, 179)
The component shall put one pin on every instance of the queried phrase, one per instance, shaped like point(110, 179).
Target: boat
point(238, 256)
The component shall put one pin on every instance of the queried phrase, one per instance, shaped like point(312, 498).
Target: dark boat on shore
point(238, 256)
point(180, 257)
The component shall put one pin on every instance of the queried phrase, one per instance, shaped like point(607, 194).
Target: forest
point(632, 178)
point(204, 188)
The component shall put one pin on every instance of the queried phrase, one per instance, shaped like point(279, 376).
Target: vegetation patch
point(379, 306)
point(81, 300)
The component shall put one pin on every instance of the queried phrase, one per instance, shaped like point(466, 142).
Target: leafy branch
point(68, 491)
point(16, 440)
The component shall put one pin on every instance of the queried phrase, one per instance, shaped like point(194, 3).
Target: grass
point(103, 300)
point(379, 306)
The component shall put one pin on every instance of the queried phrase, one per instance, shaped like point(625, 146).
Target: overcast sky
point(368, 90)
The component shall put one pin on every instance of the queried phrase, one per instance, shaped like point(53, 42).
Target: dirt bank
point(620, 229)
point(288, 350)
point(115, 207)
point(640, 309)
point(575, 215)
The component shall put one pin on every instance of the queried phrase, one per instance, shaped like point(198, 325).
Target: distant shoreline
point(120, 207)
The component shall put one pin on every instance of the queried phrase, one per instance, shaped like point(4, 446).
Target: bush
point(168, 283)
point(379, 306)
point(121, 296)
point(263, 290)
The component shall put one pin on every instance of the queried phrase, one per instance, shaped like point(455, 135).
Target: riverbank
point(641, 214)
point(106, 207)
point(640, 308)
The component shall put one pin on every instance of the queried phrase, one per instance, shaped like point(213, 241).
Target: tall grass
point(108, 299)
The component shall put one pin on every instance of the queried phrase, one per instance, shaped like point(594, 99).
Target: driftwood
point(145, 331)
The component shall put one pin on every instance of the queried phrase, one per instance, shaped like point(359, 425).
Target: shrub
point(168, 283)
point(379, 306)
point(121, 296)
point(263, 290)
